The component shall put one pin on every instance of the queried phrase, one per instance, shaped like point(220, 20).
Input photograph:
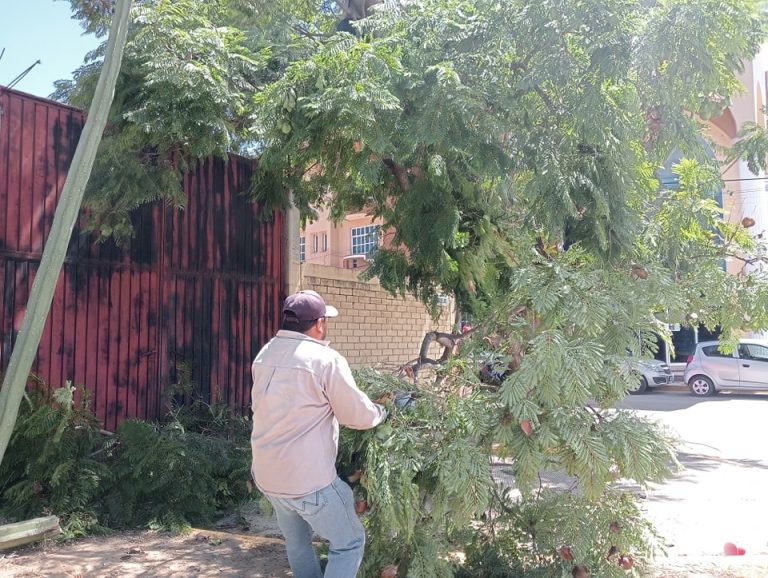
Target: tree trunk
point(67, 212)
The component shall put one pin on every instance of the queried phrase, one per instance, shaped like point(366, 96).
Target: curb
point(678, 386)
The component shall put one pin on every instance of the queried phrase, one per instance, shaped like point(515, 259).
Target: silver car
point(746, 369)
point(652, 374)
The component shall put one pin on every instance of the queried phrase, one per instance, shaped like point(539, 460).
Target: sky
point(42, 30)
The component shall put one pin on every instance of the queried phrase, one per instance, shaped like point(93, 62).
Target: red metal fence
point(197, 290)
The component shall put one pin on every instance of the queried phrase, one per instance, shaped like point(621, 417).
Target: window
point(315, 240)
point(713, 351)
point(365, 239)
point(753, 351)
point(325, 242)
point(302, 249)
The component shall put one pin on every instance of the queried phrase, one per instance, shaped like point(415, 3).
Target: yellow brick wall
point(373, 329)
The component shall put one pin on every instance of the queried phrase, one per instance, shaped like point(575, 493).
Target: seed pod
point(614, 527)
point(747, 222)
point(355, 476)
point(389, 571)
point(626, 562)
point(527, 428)
point(580, 571)
point(639, 271)
point(566, 553)
point(612, 551)
point(361, 506)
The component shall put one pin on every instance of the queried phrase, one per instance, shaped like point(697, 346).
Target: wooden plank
point(119, 364)
point(218, 385)
point(20, 533)
point(5, 159)
point(69, 336)
point(88, 345)
point(55, 325)
point(27, 139)
point(130, 352)
point(13, 119)
point(104, 378)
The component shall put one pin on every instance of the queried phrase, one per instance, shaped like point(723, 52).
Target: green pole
point(64, 220)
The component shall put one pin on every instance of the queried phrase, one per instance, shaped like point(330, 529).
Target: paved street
point(722, 495)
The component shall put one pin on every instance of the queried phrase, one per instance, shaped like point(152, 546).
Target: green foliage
point(52, 462)
point(752, 146)
point(498, 124)
point(145, 475)
point(188, 408)
point(166, 477)
point(510, 148)
point(524, 538)
point(181, 97)
point(562, 332)
point(425, 474)
point(427, 478)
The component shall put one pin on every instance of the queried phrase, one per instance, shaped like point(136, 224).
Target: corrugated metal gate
point(198, 288)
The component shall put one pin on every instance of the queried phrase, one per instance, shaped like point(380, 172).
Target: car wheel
point(701, 386)
point(642, 387)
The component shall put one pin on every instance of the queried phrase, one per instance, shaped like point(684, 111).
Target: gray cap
point(307, 306)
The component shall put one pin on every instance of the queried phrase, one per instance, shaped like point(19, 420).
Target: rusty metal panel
point(199, 287)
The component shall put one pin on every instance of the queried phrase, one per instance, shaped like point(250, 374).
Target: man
point(302, 391)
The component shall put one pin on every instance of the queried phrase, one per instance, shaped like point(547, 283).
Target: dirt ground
point(246, 546)
point(201, 554)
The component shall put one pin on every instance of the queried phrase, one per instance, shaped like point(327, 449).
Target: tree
point(512, 150)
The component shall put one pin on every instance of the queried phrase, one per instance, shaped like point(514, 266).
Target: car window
point(753, 351)
point(713, 351)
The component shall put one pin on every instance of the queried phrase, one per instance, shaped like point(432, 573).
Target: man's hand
point(387, 397)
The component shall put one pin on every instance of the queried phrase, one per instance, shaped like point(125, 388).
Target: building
point(347, 244)
point(744, 194)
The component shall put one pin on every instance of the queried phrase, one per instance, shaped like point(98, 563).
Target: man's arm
point(351, 406)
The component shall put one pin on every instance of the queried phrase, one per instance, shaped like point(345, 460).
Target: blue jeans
point(329, 512)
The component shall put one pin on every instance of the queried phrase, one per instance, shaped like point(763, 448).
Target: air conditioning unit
point(354, 262)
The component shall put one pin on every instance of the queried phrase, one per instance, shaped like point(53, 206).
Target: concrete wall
point(373, 329)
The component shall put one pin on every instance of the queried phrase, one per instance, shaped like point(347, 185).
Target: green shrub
point(167, 477)
point(549, 533)
point(146, 474)
point(53, 462)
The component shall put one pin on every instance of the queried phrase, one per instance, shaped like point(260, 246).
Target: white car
point(745, 369)
point(652, 374)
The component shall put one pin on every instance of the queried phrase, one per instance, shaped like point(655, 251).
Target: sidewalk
point(710, 567)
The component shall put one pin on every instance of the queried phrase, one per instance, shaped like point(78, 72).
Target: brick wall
point(373, 329)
